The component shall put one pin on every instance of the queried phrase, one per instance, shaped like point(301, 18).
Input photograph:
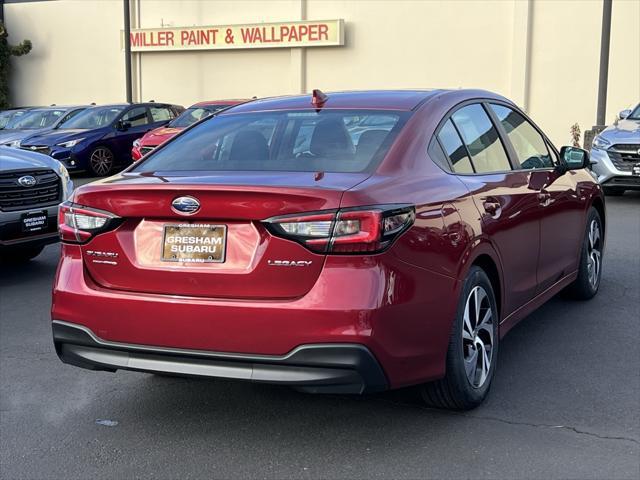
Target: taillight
point(348, 230)
point(77, 224)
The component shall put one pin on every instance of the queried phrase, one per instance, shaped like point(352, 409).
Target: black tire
point(101, 161)
point(456, 391)
point(613, 191)
point(20, 254)
point(584, 287)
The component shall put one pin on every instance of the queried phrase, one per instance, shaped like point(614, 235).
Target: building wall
point(543, 54)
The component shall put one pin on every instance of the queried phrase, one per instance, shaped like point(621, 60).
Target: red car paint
point(399, 304)
point(155, 137)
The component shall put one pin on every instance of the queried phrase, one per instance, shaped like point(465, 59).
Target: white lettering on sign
point(194, 240)
point(193, 249)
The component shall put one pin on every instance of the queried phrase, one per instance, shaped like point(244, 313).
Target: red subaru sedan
point(191, 115)
point(350, 242)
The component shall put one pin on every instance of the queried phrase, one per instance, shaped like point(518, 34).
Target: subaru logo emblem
point(33, 147)
point(185, 205)
point(638, 152)
point(27, 181)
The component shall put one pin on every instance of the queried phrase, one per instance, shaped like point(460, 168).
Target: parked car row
point(99, 138)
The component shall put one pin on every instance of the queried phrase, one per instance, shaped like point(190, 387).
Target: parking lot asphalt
point(565, 402)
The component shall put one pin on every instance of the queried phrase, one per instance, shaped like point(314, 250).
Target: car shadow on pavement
point(24, 272)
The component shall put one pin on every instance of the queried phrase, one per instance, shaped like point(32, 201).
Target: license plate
point(34, 221)
point(194, 243)
point(636, 169)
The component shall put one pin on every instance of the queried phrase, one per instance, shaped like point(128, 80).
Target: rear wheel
point(473, 348)
point(101, 161)
point(20, 255)
point(613, 191)
point(590, 269)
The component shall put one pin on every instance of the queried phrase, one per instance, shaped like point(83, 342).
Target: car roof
point(367, 99)
point(58, 107)
point(133, 104)
point(207, 103)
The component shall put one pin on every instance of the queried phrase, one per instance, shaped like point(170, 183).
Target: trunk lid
point(131, 258)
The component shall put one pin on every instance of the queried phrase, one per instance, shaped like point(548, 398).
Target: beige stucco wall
point(544, 54)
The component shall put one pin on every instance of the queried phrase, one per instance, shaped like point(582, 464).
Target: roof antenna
point(318, 98)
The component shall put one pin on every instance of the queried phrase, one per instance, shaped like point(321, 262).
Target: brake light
point(352, 230)
point(78, 224)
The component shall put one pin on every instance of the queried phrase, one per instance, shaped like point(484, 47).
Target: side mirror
point(573, 158)
point(624, 113)
point(123, 126)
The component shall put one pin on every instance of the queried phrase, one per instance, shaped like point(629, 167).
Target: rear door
point(506, 199)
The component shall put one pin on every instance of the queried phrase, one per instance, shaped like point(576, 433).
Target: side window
point(136, 116)
point(481, 139)
point(453, 147)
point(529, 145)
point(161, 114)
point(438, 156)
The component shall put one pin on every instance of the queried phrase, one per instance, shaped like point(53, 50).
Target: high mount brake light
point(348, 231)
point(78, 224)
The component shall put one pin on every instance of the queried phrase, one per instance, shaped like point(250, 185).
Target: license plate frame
point(34, 227)
point(173, 230)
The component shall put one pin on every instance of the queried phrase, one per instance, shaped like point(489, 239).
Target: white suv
point(616, 154)
point(32, 186)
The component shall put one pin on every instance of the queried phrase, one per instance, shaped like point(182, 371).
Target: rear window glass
point(304, 141)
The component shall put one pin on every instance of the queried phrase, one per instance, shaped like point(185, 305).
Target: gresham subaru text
point(355, 242)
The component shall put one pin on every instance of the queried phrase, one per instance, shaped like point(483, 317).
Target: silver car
point(615, 154)
point(34, 121)
point(32, 186)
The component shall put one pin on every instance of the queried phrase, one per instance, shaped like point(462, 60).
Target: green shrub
point(6, 51)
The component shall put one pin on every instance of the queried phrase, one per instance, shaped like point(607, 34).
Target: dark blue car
point(99, 138)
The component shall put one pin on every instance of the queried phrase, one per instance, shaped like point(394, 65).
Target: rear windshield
point(299, 141)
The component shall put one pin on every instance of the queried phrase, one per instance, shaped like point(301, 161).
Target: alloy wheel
point(594, 253)
point(101, 161)
point(477, 337)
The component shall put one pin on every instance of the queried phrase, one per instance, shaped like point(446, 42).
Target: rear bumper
point(400, 313)
point(321, 368)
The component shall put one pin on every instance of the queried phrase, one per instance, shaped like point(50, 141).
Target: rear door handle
point(543, 198)
point(492, 206)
